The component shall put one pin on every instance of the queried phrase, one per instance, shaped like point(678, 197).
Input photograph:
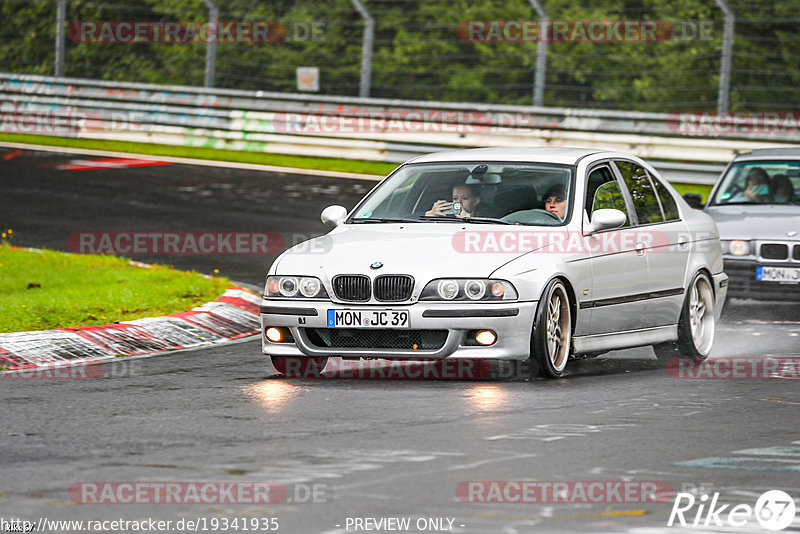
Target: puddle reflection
point(273, 395)
point(487, 396)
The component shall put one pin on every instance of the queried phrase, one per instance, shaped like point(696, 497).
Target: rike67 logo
point(774, 510)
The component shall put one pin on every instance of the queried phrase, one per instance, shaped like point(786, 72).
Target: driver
point(554, 202)
point(756, 189)
point(467, 195)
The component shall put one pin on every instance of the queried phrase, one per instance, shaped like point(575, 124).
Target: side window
point(645, 201)
point(667, 201)
point(603, 192)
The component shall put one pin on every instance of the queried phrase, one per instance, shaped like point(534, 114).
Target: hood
point(752, 221)
point(423, 250)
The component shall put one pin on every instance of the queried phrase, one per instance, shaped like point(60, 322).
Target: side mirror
point(333, 215)
point(694, 200)
point(606, 219)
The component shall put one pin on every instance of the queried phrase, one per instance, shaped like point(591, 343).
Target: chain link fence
point(643, 55)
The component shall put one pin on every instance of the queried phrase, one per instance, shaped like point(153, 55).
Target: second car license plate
point(368, 318)
point(778, 274)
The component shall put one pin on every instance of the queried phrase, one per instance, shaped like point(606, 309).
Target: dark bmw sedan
point(756, 205)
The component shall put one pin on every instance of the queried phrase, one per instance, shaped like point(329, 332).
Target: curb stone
point(232, 316)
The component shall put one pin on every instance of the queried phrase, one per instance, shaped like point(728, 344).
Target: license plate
point(778, 274)
point(368, 319)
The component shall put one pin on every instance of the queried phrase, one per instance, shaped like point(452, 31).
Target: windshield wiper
point(477, 220)
point(486, 220)
point(384, 220)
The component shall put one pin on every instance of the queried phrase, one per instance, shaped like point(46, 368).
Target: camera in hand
point(454, 209)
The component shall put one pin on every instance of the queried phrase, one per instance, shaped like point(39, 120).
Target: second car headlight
point(294, 287)
point(469, 289)
point(736, 247)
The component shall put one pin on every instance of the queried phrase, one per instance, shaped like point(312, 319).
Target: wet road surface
point(349, 449)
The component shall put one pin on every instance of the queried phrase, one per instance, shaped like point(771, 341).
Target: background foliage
point(417, 54)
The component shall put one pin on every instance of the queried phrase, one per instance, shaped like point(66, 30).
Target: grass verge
point(42, 290)
point(236, 156)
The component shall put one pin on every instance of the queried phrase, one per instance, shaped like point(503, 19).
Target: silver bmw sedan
point(536, 254)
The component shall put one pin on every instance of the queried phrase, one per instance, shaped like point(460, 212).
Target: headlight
point(309, 287)
point(468, 290)
point(475, 289)
point(294, 286)
point(736, 247)
point(447, 289)
point(287, 287)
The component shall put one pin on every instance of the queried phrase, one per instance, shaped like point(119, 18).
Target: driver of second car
point(467, 195)
point(757, 188)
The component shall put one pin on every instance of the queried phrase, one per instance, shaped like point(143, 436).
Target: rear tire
point(551, 339)
point(696, 324)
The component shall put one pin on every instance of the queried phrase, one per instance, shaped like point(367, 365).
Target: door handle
point(682, 240)
point(639, 248)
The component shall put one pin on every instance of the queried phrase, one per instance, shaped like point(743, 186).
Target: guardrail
point(356, 128)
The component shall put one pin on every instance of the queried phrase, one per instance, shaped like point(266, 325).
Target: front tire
point(551, 340)
point(696, 324)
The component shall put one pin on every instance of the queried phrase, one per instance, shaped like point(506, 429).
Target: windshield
point(760, 182)
point(502, 193)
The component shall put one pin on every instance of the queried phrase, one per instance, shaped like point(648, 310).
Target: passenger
point(467, 195)
point(757, 188)
point(554, 201)
point(782, 189)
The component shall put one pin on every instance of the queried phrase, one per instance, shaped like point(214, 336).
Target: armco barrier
point(311, 125)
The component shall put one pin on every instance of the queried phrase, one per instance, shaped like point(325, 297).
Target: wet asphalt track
point(373, 448)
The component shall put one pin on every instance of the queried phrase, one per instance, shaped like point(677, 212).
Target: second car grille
point(353, 287)
point(796, 253)
point(393, 287)
point(383, 338)
point(774, 251)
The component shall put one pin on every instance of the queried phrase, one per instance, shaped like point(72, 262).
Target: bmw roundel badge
point(376, 265)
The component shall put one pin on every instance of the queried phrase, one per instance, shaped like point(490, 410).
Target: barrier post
point(541, 54)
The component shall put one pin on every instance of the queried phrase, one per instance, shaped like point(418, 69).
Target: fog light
point(276, 335)
point(485, 338)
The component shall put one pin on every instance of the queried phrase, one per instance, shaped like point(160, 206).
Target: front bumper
point(743, 283)
point(511, 321)
point(721, 283)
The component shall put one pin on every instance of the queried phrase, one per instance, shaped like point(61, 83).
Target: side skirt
point(625, 340)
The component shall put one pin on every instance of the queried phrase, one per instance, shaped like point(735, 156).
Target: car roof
point(769, 153)
point(562, 155)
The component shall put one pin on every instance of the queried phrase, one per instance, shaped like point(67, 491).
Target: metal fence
point(682, 55)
